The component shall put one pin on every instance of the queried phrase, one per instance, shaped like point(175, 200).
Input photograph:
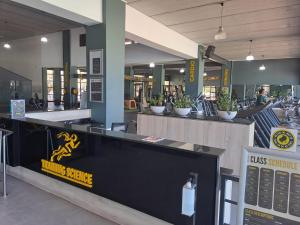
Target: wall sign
point(283, 139)
point(54, 167)
point(269, 188)
point(226, 77)
point(96, 90)
point(96, 62)
point(17, 109)
point(192, 70)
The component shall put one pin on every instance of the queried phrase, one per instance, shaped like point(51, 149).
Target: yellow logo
point(68, 173)
point(283, 139)
point(71, 144)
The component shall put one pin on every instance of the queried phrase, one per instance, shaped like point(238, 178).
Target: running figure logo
point(71, 143)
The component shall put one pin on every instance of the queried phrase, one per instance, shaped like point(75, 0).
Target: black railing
point(223, 200)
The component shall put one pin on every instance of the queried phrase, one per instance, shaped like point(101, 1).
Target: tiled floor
point(28, 205)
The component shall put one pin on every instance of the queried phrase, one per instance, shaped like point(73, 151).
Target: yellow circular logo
point(283, 139)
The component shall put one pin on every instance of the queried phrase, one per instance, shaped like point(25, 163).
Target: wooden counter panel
point(229, 136)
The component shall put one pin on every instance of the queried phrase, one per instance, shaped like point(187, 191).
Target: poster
point(96, 62)
point(96, 90)
point(269, 188)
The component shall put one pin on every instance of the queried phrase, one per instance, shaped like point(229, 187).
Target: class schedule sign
point(269, 188)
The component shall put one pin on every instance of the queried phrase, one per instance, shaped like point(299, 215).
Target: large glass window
point(50, 74)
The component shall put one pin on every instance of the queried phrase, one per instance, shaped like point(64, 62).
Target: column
point(159, 79)
point(194, 74)
point(109, 36)
point(66, 65)
point(129, 85)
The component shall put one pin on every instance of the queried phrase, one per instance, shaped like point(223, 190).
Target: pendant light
point(262, 67)
point(44, 39)
point(250, 57)
point(7, 46)
point(152, 65)
point(221, 35)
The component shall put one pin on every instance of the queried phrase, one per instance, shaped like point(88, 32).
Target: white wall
point(24, 58)
point(28, 56)
point(78, 54)
point(52, 52)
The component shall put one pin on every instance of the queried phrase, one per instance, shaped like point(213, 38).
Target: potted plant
point(227, 107)
point(157, 105)
point(183, 106)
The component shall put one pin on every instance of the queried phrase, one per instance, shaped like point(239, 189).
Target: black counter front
point(121, 167)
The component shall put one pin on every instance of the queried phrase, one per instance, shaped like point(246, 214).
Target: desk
point(121, 167)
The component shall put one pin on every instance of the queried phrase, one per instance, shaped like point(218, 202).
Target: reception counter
point(124, 168)
point(208, 131)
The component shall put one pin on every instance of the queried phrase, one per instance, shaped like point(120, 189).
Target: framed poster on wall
point(96, 62)
point(269, 187)
point(96, 90)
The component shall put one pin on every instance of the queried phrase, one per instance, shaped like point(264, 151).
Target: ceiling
point(274, 25)
point(18, 21)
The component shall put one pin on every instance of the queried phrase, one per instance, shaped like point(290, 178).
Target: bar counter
point(121, 167)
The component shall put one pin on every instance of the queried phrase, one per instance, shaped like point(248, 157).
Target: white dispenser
point(188, 199)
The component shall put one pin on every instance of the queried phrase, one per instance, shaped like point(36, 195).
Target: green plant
point(183, 102)
point(225, 103)
point(157, 101)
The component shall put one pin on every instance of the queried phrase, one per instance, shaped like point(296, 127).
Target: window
point(81, 86)
point(210, 92)
point(62, 86)
point(137, 87)
point(82, 40)
point(50, 74)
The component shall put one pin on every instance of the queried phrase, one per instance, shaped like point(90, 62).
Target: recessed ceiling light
point(128, 42)
point(44, 39)
point(182, 70)
point(7, 46)
point(152, 65)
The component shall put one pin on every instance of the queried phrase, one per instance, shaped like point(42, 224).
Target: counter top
point(194, 116)
point(96, 130)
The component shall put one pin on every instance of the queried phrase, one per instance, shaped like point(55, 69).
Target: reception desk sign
point(54, 167)
point(269, 188)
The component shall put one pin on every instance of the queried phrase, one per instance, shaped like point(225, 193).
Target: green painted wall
point(278, 71)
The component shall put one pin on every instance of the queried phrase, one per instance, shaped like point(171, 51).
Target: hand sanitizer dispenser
point(188, 199)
